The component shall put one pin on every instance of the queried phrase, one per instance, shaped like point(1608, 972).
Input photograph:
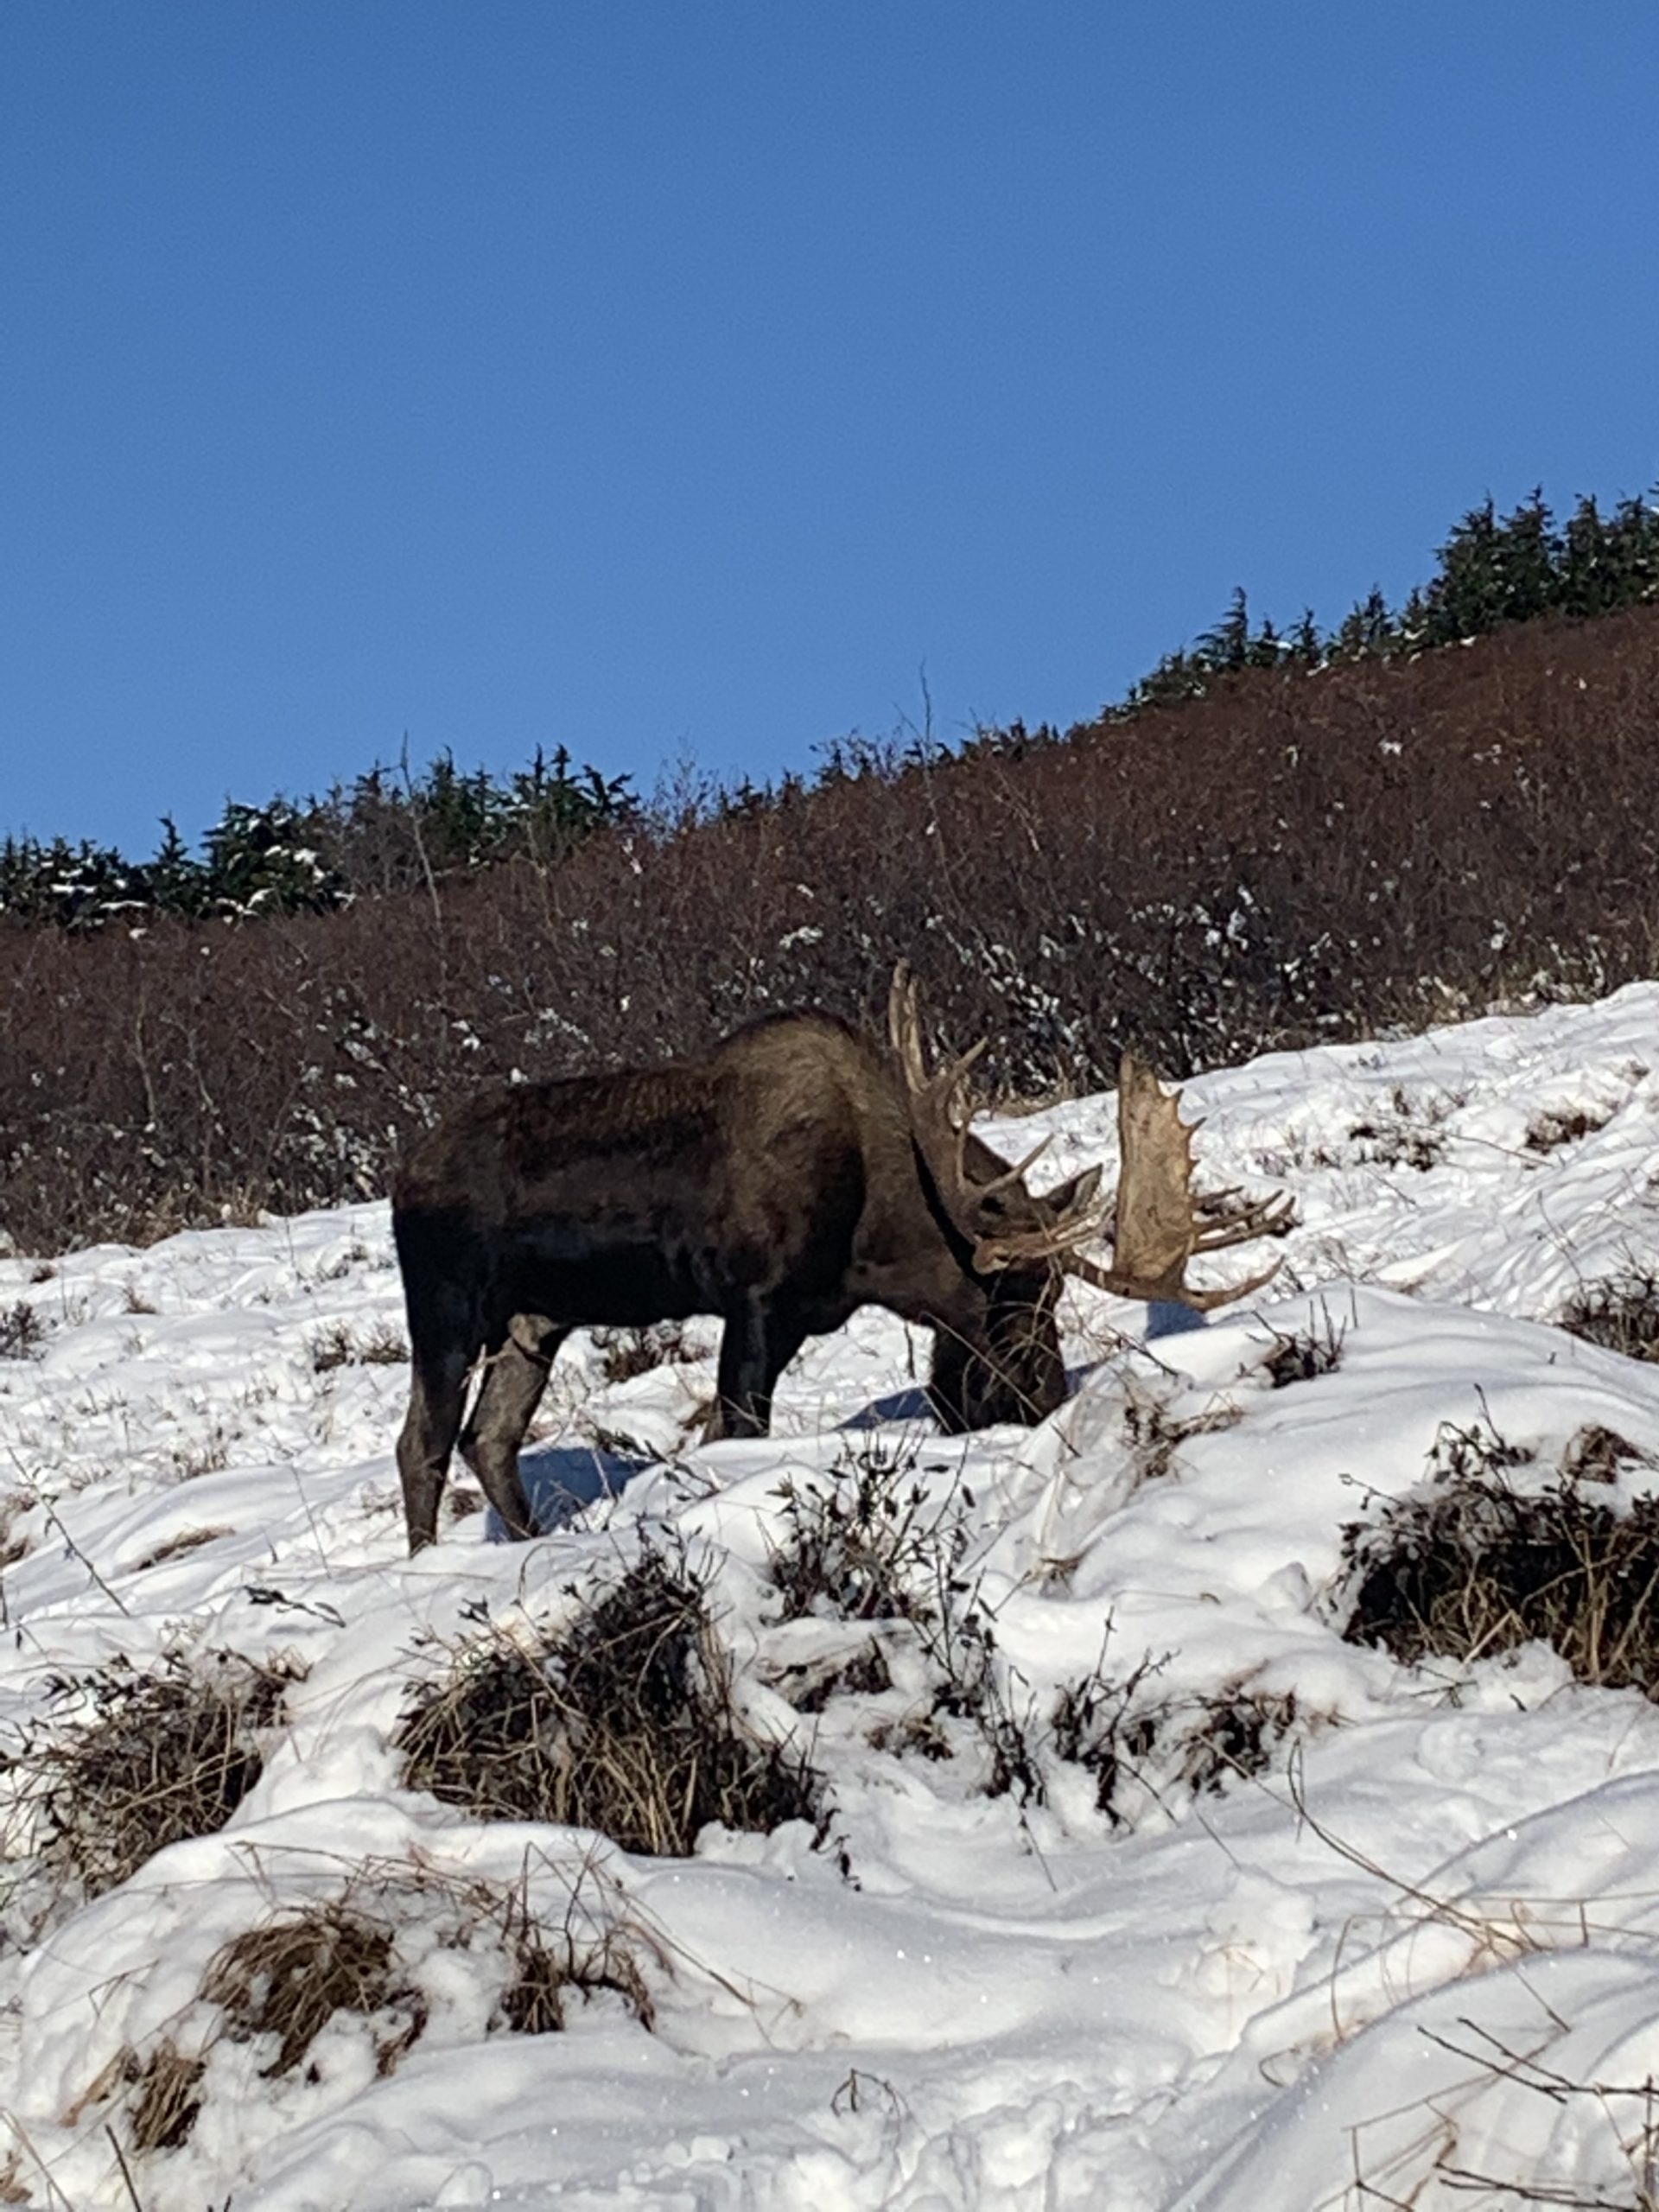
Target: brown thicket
point(1298, 855)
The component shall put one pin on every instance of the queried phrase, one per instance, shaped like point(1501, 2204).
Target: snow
point(1410, 1959)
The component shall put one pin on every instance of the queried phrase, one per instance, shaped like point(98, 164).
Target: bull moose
point(794, 1174)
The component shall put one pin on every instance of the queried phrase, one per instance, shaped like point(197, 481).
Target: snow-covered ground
point(1416, 1947)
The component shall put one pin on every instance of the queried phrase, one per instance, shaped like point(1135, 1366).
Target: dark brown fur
point(774, 1183)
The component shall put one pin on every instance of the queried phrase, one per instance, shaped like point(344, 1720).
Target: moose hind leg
point(513, 1383)
point(428, 1437)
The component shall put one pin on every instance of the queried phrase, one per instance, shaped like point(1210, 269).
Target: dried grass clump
point(282, 1983)
point(1409, 1136)
point(1169, 1748)
point(1155, 1436)
point(168, 2099)
point(1620, 1313)
point(1470, 1567)
point(13, 1506)
point(545, 1964)
point(165, 1756)
point(289, 1979)
point(180, 1546)
point(624, 1724)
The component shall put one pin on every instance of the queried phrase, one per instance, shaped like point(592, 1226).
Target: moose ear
point(1077, 1195)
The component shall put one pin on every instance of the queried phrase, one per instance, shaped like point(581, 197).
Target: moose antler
point(939, 1118)
point(1160, 1224)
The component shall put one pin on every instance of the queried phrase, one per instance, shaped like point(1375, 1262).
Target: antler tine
point(904, 1032)
point(1132, 1286)
point(904, 1026)
point(1016, 1173)
point(1207, 1300)
point(1218, 1230)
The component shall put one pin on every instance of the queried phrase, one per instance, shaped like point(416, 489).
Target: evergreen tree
point(1228, 646)
point(259, 861)
point(174, 882)
point(1466, 598)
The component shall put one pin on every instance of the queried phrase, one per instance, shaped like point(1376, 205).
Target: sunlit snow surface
point(1236, 2002)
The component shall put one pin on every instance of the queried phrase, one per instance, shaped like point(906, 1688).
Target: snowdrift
point(1126, 1879)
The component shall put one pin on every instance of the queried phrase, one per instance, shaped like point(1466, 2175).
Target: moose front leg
point(758, 1343)
point(947, 1379)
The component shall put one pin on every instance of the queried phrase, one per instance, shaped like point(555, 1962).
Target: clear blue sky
point(664, 378)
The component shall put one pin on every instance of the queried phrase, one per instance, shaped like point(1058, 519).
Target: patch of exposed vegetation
point(1411, 1135)
point(624, 1722)
point(866, 1541)
point(870, 1543)
point(624, 1353)
point(179, 1547)
point(1143, 1748)
point(162, 1757)
point(1620, 1312)
point(23, 1333)
point(1470, 1565)
point(1303, 1354)
point(1555, 1125)
point(280, 1984)
point(339, 1346)
point(1155, 1435)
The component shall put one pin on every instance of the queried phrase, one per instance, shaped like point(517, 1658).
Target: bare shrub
point(868, 1544)
point(1303, 1354)
point(1167, 1749)
point(624, 1723)
point(23, 1333)
point(1155, 1435)
point(864, 1543)
point(1620, 1313)
point(1469, 1566)
point(624, 1353)
point(165, 1755)
point(1385, 842)
point(339, 1345)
